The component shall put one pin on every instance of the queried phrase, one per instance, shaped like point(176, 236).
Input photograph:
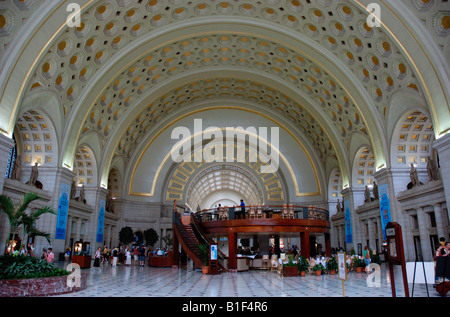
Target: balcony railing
point(264, 212)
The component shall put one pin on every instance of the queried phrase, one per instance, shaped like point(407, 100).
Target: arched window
point(11, 158)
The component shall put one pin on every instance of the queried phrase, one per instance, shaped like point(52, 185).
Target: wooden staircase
point(190, 236)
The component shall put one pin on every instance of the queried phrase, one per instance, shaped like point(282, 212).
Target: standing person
point(23, 251)
point(127, 256)
point(443, 250)
point(141, 255)
point(135, 255)
point(97, 257)
point(367, 259)
point(115, 256)
point(44, 254)
point(242, 209)
point(50, 255)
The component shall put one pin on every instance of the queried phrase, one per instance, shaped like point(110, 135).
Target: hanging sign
point(348, 222)
point(385, 209)
point(63, 208)
point(101, 221)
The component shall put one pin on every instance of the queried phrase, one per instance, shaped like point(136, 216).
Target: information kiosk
point(213, 260)
point(396, 254)
point(82, 254)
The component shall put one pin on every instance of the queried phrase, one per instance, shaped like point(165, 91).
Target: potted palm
point(332, 265)
point(358, 264)
point(204, 255)
point(290, 268)
point(318, 268)
point(303, 265)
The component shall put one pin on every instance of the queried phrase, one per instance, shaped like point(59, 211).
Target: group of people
point(442, 251)
point(47, 254)
point(119, 255)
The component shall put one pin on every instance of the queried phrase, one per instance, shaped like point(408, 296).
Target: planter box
point(44, 286)
point(290, 271)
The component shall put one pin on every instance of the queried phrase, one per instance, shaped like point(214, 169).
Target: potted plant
point(204, 255)
point(358, 264)
point(318, 268)
point(332, 265)
point(290, 268)
point(303, 265)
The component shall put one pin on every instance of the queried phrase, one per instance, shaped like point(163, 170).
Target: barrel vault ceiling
point(130, 66)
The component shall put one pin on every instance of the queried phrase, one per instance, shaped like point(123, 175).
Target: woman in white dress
point(127, 257)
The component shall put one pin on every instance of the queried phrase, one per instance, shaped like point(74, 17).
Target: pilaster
point(442, 146)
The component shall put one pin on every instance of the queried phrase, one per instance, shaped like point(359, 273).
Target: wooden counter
point(161, 261)
point(84, 261)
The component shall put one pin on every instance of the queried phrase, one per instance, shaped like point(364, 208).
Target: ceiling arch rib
point(349, 14)
point(355, 117)
point(250, 10)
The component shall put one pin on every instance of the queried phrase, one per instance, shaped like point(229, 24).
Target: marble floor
point(185, 282)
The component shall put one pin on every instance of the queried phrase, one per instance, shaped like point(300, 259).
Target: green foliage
point(375, 258)
point(318, 267)
point(332, 264)
point(357, 262)
point(151, 236)
point(204, 253)
point(21, 267)
point(16, 214)
point(126, 235)
point(303, 264)
point(168, 240)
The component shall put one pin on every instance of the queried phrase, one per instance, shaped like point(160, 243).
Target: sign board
point(213, 252)
point(385, 209)
point(63, 210)
point(342, 266)
point(348, 222)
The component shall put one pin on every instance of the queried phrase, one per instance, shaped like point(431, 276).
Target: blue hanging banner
point(385, 209)
point(348, 222)
point(63, 208)
point(101, 221)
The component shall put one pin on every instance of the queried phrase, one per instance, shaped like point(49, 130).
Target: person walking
point(135, 255)
point(115, 254)
point(367, 259)
point(141, 255)
point(242, 209)
point(127, 256)
point(97, 257)
point(50, 255)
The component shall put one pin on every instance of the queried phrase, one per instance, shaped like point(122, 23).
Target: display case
point(82, 254)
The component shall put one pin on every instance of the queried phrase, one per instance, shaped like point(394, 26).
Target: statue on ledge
point(73, 190)
point(367, 198)
point(82, 197)
point(432, 169)
point(375, 191)
point(17, 168)
point(34, 175)
point(338, 207)
point(414, 177)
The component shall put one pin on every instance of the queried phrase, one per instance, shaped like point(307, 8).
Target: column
point(175, 249)
point(327, 245)
point(304, 242)
point(424, 235)
point(439, 221)
point(370, 224)
point(6, 144)
point(62, 176)
point(351, 232)
point(232, 251)
point(442, 145)
point(96, 196)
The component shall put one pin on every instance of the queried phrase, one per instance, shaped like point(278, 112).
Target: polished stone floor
point(135, 281)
